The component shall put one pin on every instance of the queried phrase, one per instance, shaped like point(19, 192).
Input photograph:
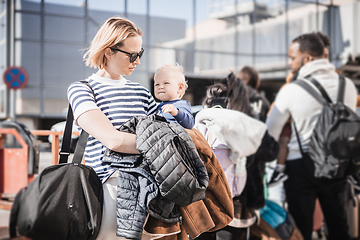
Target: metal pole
point(355, 27)
point(254, 15)
point(236, 36)
point(86, 29)
point(317, 15)
point(126, 8)
point(10, 38)
point(194, 32)
point(42, 56)
point(9, 32)
point(86, 16)
point(148, 41)
point(330, 7)
point(286, 34)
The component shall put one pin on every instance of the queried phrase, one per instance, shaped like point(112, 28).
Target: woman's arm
point(98, 125)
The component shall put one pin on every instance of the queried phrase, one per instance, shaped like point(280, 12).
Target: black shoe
point(277, 178)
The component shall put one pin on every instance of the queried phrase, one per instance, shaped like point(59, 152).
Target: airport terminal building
point(47, 39)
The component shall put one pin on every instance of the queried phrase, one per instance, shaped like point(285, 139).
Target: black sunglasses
point(133, 56)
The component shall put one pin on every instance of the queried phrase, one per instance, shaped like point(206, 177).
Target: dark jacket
point(259, 104)
point(169, 164)
point(253, 193)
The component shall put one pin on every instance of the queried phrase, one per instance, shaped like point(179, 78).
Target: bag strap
point(323, 100)
point(80, 147)
point(298, 139)
point(321, 89)
point(316, 95)
point(341, 91)
point(81, 144)
point(302, 83)
point(14, 215)
point(65, 146)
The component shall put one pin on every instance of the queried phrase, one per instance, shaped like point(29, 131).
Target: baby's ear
point(181, 89)
point(181, 86)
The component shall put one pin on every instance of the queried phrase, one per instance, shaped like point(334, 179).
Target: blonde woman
point(115, 51)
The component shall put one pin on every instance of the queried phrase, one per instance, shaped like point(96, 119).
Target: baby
point(169, 87)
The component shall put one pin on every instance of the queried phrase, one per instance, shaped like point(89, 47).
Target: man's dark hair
point(311, 43)
point(253, 75)
point(324, 38)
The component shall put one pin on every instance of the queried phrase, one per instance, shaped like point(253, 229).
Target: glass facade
point(209, 38)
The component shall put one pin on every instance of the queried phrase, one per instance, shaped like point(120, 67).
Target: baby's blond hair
point(178, 68)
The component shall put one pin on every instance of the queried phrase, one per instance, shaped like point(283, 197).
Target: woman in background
point(242, 154)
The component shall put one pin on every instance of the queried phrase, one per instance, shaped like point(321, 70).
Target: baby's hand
point(169, 108)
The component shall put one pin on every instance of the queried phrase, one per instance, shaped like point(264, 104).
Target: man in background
point(306, 55)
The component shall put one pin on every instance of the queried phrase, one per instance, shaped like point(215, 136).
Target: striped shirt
point(119, 100)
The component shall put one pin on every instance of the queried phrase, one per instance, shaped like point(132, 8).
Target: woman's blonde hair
point(110, 35)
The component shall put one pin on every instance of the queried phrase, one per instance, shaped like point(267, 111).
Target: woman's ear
point(108, 53)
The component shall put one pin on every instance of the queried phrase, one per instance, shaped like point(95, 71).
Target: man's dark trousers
point(302, 189)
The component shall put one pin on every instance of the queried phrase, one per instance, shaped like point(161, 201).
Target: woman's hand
point(98, 125)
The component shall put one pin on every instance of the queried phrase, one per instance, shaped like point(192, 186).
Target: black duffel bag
point(64, 202)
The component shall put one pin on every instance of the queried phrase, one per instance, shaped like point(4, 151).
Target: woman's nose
point(137, 61)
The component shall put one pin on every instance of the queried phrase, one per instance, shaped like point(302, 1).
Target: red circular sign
point(15, 77)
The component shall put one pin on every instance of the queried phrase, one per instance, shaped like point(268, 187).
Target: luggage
point(352, 206)
point(31, 141)
point(279, 220)
point(64, 202)
point(334, 147)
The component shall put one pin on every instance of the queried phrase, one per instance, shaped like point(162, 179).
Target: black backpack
point(334, 147)
point(64, 202)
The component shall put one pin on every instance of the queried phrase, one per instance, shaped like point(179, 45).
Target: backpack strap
point(316, 95)
point(311, 91)
point(341, 92)
point(298, 139)
point(324, 100)
point(81, 144)
point(321, 89)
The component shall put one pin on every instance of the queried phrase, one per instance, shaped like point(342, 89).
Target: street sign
point(15, 77)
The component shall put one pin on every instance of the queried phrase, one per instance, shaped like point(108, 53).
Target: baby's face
point(166, 85)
